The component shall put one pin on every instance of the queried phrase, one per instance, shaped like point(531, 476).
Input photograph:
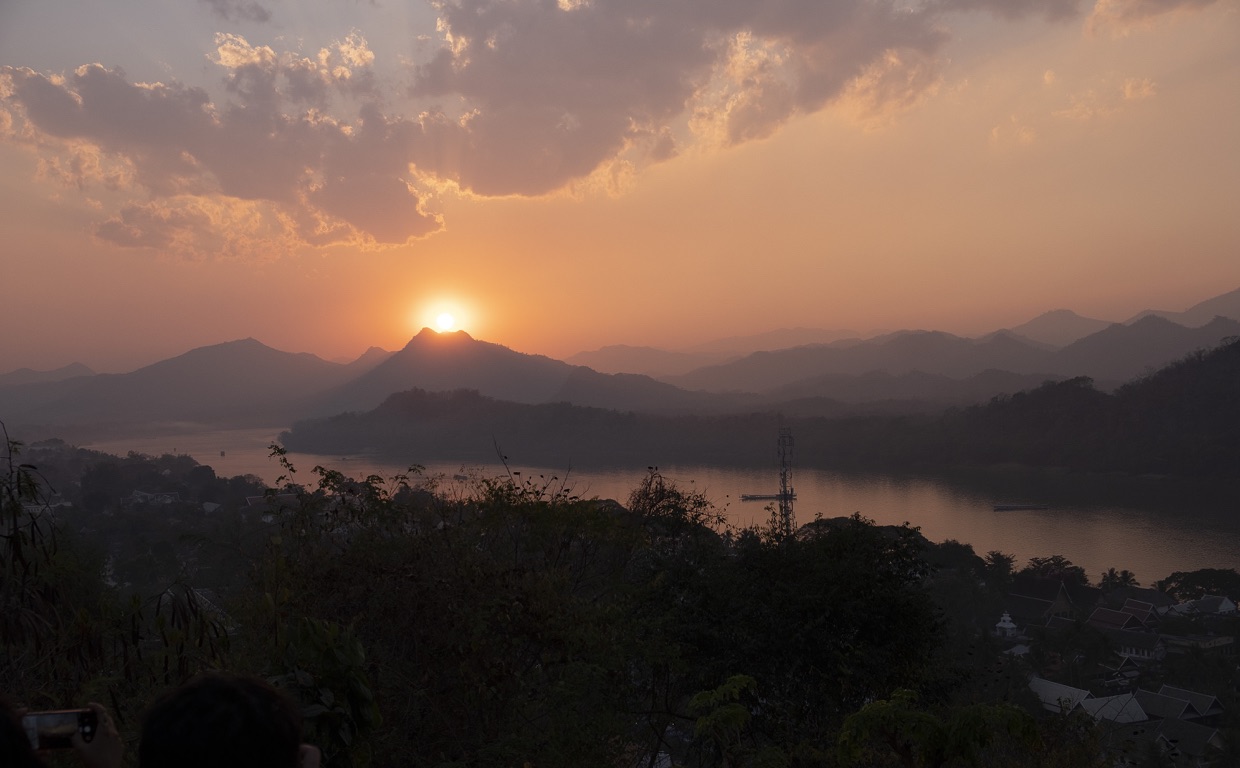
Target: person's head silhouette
point(224, 720)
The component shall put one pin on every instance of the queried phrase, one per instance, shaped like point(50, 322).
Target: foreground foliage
point(506, 622)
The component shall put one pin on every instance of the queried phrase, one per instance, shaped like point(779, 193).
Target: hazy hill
point(1111, 356)
point(30, 376)
point(1059, 327)
point(620, 358)
point(1122, 352)
point(660, 363)
point(448, 361)
point(1226, 305)
point(442, 362)
point(782, 338)
point(237, 382)
point(932, 352)
point(914, 386)
point(635, 392)
point(367, 360)
point(420, 426)
point(1183, 419)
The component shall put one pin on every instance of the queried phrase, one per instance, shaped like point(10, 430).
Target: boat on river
point(767, 496)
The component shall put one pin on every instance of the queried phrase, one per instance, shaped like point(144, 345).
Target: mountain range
point(246, 383)
point(1056, 328)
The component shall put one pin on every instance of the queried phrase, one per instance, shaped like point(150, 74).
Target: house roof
point(1105, 618)
point(1117, 597)
point(1208, 605)
point(1190, 738)
point(1161, 705)
point(1057, 697)
point(1213, 604)
point(1203, 703)
point(1123, 708)
point(1139, 608)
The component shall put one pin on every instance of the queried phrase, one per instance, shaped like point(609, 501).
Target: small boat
point(765, 496)
point(1016, 507)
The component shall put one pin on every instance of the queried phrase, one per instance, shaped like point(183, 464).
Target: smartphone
point(53, 730)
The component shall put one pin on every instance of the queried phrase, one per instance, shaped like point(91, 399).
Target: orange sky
point(327, 176)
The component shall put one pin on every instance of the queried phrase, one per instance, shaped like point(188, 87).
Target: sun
point(445, 322)
point(441, 314)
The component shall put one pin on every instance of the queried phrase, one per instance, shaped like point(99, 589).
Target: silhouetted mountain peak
point(1059, 327)
point(432, 336)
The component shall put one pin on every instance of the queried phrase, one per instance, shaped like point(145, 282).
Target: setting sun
point(445, 322)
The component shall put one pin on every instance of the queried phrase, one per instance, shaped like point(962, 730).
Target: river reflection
point(1151, 527)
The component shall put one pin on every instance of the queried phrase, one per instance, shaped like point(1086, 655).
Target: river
point(1150, 527)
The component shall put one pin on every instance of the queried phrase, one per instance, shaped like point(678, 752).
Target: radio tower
point(787, 520)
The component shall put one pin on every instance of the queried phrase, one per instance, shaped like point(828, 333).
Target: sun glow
point(442, 315)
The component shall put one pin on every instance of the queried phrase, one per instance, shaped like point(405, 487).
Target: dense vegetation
point(506, 622)
point(1182, 420)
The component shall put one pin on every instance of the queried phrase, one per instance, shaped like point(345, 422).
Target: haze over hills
point(1111, 356)
point(622, 358)
point(237, 382)
point(29, 376)
point(1059, 327)
point(1055, 328)
point(440, 362)
point(245, 383)
point(651, 361)
point(1226, 305)
point(1183, 420)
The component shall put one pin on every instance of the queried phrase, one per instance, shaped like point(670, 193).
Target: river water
point(1152, 528)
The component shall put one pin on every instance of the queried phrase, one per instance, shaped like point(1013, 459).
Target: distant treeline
point(1181, 420)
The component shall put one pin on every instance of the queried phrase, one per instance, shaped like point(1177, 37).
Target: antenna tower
point(787, 520)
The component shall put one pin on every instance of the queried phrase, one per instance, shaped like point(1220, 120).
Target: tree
point(1192, 585)
point(920, 739)
point(1056, 568)
point(1112, 579)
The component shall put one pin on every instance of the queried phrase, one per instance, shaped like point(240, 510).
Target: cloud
point(239, 10)
point(1120, 17)
point(272, 150)
point(1138, 88)
point(521, 97)
point(1107, 100)
point(199, 227)
point(1014, 132)
point(549, 92)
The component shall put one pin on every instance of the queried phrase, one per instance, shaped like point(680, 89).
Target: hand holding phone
point(54, 730)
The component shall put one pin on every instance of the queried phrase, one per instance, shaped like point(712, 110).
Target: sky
point(560, 175)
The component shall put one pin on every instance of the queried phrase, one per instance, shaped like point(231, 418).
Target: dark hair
point(15, 751)
point(221, 720)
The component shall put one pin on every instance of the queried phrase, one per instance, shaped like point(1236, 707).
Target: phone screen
point(54, 730)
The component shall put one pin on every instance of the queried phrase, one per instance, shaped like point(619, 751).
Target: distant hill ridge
point(246, 383)
point(1111, 356)
point(30, 376)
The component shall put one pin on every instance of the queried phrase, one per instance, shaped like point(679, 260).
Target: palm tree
point(1113, 579)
